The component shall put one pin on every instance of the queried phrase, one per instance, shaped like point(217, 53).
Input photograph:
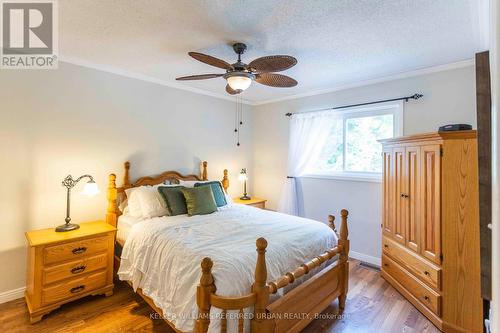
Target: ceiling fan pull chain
point(236, 119)
point(241, 109)
point(238, 113)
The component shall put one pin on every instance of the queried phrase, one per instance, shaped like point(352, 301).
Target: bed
point(235, 289)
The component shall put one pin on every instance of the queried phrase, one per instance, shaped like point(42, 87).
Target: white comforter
point(162, 255)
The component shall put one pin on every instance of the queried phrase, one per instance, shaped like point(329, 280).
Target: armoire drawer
point(426, 296)
point(424, 270)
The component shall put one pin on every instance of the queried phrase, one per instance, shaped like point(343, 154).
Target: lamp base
point(67, 227)
point(245, 197)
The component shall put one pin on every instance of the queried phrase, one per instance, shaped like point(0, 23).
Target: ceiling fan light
point(239, 82)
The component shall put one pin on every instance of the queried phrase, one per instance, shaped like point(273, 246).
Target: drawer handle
point(386, 246)
point(79, 250)
point(426, 298)
point(78, 269)
point(77, 289)
point(427, 273)
point(386, 265)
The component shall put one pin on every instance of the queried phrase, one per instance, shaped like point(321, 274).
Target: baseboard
point(374, 261)
point(11, 295)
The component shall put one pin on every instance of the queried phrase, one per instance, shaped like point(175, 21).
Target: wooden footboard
point(293, 311)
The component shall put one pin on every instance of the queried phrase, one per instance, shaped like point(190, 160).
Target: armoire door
point(430, 202)
point(400, 199)
point(412, 168)
point(388, 194)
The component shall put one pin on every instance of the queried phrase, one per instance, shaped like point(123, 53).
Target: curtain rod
point(406, 99)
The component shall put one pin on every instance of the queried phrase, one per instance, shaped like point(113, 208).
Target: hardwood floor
point(372, 306)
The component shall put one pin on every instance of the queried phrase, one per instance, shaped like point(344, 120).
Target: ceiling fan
point(239, 75)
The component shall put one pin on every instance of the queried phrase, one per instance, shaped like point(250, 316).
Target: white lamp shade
point(242, 177)
point(239, 82)
point(90, 189)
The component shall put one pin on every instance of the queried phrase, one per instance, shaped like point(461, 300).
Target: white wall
point(449, 97)
point(76, 120)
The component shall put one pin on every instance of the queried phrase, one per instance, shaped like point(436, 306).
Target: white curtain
point(308, 134)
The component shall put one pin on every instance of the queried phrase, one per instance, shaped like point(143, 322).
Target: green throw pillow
point(176, 204)
point(220, 198)
point(199, 200)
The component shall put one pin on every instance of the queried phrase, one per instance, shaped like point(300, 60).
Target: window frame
point(395, 108)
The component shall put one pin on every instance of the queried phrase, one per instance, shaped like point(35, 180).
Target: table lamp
point(90, 189)
point(243, 177)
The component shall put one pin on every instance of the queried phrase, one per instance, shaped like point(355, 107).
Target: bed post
point(259, 323)
point(344, 257)
point(112, 211)
point(126, 176)
point(331, 224)
point(205, 289)
point(204, 173)
point(225, 181)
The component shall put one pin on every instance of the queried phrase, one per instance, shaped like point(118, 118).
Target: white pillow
point(146, 202)
point(190, 183)
point(123, 205)
point(229, 200)
point(134, 202)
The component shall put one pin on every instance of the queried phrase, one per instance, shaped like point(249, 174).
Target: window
point(351, 150)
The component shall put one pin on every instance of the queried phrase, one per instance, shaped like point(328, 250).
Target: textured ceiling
point(336, 42)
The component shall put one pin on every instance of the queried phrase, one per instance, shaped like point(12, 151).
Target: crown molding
point(398, 76)
point(142, 77)
point(146, 78)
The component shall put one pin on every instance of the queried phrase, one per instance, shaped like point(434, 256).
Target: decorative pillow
point(176, 204)
point(199, 200)
point(218, 192)
point(145, 202)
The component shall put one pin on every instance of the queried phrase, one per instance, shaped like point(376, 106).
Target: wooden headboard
point(115, 193)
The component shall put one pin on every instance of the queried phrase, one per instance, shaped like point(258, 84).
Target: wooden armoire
point(430, 226)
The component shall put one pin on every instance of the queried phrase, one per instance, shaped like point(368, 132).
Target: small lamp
point(90, 189)
point(243, 177)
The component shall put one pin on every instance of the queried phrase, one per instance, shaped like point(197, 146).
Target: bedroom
point(107, 93)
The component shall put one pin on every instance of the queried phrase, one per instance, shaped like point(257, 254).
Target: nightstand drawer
point(74, 268)
point(73, 287)
point(254, 202)
point(74, 250)
point(260, 205)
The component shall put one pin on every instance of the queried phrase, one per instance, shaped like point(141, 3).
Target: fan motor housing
point(239, 48)
point(239, 73)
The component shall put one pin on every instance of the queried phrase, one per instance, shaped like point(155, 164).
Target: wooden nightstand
point(65, 266)
point(255, 202)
